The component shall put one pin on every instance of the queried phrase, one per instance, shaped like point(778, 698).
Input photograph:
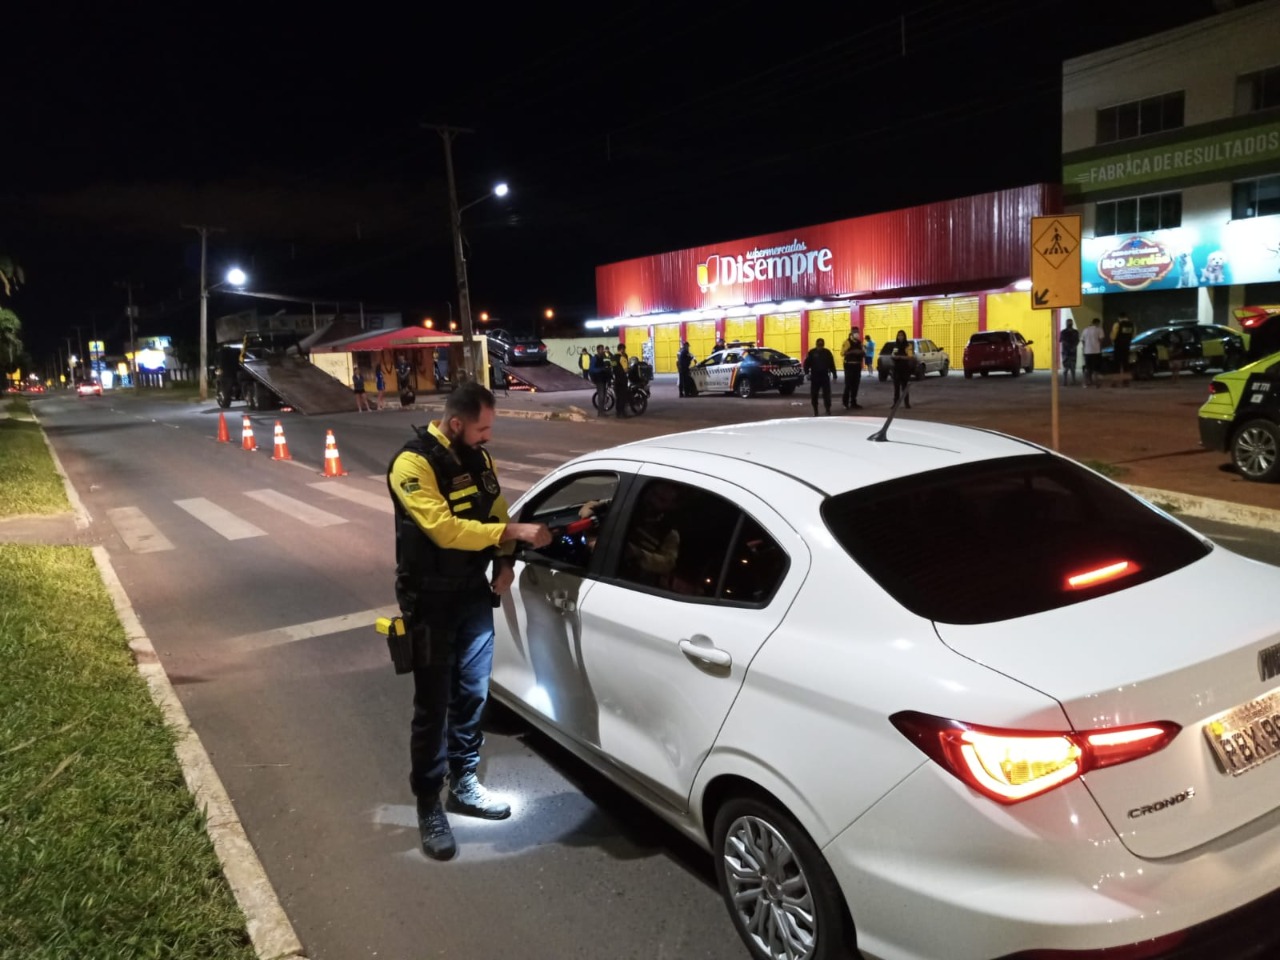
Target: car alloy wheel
point(781, 895)
point(1256, 450)
point(746, 389)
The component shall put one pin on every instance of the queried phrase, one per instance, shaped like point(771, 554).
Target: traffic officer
point(821, 367)
point(622, 381)
point(854, 355)
point(451, 523)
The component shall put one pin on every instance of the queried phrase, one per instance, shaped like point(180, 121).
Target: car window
point(991, 336)
point(686, 541)
point(576, 511)
point(731, 358)
point(1079, 524)
point(773, 356)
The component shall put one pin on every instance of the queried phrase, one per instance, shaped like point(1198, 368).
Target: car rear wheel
point(946, 368)
point(1014, 371)
point(921, 370)
point(1255, 450)
point(983, 373)
point(1028, 368)
point(746, 389)
point(1144, 369)
point(781, 895)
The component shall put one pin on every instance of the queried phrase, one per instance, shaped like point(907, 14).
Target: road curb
point(269, 929)
point(1221, 511)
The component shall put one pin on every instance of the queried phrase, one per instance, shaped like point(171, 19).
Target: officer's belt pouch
point(399, 643)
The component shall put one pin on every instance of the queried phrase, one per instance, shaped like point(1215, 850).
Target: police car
point(746, 370)
point(1242, 416)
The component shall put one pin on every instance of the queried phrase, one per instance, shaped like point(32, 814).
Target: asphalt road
point(258, 583)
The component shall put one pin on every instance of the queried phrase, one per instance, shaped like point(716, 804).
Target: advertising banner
point(950, 243)
point(1198, 254)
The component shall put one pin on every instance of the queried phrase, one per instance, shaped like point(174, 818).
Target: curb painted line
point(269, 928)
point(1221, 511)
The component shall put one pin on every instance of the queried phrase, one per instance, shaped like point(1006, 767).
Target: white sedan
point(900, 728)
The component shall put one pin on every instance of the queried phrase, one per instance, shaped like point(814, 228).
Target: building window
point(1255, 198)
point(1258, 91)
point(1141, 118)
point(1160, 211)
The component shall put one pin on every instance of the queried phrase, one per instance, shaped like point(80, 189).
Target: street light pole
point(131, 312)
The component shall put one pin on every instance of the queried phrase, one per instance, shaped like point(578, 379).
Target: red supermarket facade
point(942, 271)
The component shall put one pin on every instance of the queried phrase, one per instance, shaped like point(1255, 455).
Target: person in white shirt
point(1091, 341)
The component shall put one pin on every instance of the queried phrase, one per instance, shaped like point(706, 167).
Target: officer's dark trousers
point(452, 663)
point(823, 388)
point(852, 380)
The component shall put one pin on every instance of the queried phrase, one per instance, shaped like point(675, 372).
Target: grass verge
point(1109, 470)
point(28, 483)
point(102, 851)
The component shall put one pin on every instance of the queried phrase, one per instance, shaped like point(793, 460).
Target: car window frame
point(626, 481)
point(607, 561)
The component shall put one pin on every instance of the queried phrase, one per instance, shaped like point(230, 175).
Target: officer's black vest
point(421, 565)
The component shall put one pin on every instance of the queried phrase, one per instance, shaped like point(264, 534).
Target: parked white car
point(898, 727)
point(929, 358)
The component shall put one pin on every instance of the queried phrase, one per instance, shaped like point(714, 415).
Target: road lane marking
point(523, 467)
point(138, 533)
point(557, 457)
point(380, 502)
point(312, 516)
point(221, 521)
point(361, 620)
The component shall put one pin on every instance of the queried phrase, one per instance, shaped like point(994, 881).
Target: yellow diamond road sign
point(1055, 261)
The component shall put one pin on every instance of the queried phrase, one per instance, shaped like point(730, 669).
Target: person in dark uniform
point(621, 382)
point(451, 523)
point(854, 355)
point(902, 355)
point(601, 374)
point(684, 361)
point(1121, 338)
point(820, 365)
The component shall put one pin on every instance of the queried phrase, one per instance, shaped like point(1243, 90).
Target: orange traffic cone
point(246, 435)
point(281, 447)
point(332, 462)
point(223, 435)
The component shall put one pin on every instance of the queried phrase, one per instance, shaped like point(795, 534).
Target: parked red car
point(1005, 350)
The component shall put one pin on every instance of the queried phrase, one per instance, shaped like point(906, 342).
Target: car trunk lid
point(1171, 649)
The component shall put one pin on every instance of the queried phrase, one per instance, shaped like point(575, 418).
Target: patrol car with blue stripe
point(746, 370)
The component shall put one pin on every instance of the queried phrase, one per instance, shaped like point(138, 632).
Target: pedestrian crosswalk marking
point(312, 516)
point(376, 501)
point(219, 520)
point(138, 533)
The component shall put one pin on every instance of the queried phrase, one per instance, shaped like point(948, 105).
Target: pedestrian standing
point(684, 362)
point(451, 523)
point(854, 355)
point(902, 356)
point(600, 376)
point(380, 383)
point(1068, 345)
point(1091, 344)
point(1121, 338)
point(404, 381)
point(820, 365)
point(869, 349)
point(719, 345)
point(357, 387)
point(584, 363)
point(621, 386)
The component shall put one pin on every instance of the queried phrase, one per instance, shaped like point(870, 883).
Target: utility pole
point(203, 373)
point(80, 342)
point(131, 312)
point(470, 361)
point(71, 370)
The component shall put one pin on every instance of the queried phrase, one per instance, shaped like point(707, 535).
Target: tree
point(11, 279)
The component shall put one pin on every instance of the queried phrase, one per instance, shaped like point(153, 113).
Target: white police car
point(746, 370)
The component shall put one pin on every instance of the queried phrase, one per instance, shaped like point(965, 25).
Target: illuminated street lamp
point(235, 278)
point(470, 362)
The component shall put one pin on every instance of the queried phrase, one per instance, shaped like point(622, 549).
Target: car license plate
point(1246, 736)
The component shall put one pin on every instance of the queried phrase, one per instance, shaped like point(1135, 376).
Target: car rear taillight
point(1102, 574)
point(542, 347)
point(1010, 766)
point(1216, 387)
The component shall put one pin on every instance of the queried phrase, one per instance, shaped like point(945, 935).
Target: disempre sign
point(1055, 261)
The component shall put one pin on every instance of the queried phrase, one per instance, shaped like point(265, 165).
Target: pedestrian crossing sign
point(1055, 261)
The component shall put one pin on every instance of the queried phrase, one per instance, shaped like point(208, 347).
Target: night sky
point(624, 130)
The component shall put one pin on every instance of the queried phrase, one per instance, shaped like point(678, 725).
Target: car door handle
point(705, 652)
point(560, 600)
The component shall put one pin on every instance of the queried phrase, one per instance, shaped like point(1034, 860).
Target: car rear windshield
point(991, 541)
point(994, 337)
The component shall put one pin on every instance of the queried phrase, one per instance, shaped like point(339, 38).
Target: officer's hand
point(503, 574)
point(537, 535)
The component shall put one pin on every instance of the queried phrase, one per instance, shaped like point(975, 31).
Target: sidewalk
point(1148, 431)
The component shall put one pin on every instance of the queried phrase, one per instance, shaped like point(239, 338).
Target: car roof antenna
point(881, 435)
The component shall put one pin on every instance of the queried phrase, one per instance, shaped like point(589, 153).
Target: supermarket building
point(941, 271)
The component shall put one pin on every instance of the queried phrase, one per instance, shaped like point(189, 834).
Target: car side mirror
point(1030, 342)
